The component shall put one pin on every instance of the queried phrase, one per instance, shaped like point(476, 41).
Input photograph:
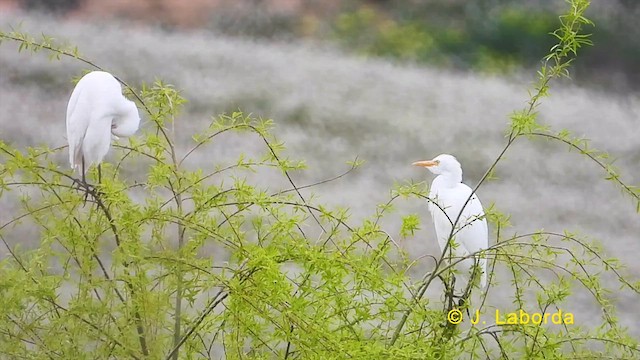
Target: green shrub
point(507, 38)
point(206, 263)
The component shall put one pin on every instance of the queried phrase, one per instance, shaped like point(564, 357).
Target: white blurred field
point(330, 108)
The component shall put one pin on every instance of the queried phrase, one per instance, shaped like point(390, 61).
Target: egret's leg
point(99, 174)
point(449, 288)
point(77, 182)
point(462, 299)
point(84, 181)
point(467, 292)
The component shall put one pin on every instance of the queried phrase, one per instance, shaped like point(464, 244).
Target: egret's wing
point(77, 124)
point(440, 215)
point(474, 234)
point(474, 226)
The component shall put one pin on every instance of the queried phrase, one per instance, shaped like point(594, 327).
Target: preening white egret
point(96, 110)
point(470, 234)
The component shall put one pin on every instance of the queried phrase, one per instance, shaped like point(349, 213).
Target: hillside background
point(389, 82)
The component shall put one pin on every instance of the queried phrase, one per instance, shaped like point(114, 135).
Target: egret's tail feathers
point(75, 160)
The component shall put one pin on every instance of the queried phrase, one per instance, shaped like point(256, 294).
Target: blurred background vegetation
point(490, 36)
point(410, 93)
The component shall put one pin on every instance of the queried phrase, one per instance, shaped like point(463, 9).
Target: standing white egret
point(96, 110)
point(471, 234)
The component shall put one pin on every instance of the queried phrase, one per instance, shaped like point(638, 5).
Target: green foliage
point(488, 36)
point(367, 31)
point(203, 263)
point(509, 37)
point(410, 224)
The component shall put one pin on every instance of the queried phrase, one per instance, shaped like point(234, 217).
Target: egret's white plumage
point(450, 195)
point(96, 110)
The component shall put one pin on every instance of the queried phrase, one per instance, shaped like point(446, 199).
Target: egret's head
point(127, 123)
point(442, 164)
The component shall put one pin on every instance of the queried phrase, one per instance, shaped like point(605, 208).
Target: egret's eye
point(437, 162)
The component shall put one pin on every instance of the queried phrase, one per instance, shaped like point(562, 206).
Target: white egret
point(470, 234)
point(96, 111)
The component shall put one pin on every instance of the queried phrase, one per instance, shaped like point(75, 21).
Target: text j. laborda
point(520, 317)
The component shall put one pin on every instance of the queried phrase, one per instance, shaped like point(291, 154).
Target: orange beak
point(426, 163)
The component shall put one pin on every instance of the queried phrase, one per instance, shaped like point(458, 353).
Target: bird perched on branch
point(453, 205)
point(96, 111)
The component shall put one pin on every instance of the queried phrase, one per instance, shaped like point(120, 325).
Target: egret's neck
point(449, 179)
point(127, 121)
